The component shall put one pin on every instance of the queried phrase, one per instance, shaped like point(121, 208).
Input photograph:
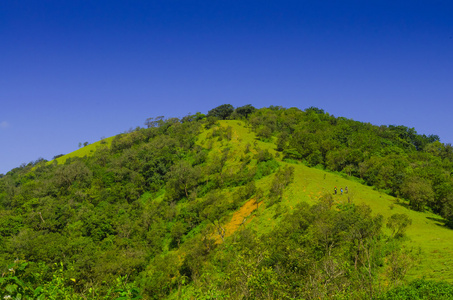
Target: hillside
point(245, 208)
point(425, 234)
point(85, 151)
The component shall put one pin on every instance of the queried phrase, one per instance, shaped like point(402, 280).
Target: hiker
point(346, 189)
point(341, 190)
point(335, 191)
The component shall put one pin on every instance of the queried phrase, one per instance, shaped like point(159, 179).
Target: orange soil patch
point(242, 216)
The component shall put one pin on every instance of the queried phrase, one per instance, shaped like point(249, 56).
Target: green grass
point(426, 234)
point(85, 151)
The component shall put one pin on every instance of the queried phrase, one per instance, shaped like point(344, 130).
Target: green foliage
point(315, 252)
point(89, 212)
point(282, 178)
point(392, 158)
point(221, 112)
point(263, 155)
point(419, 192)
point(149, 213)
point(19, 282)
point(245, 111)
point(264, 133)
point(398, 224)
point(16, 283)
point(291, 154)
point(191, 118)
point(181, 179)
point(265, 168)
point(420, 289)
point(315, 110)
point(125, 290)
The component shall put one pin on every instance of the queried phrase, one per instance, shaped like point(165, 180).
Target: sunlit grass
point(85, 151)
point(426, 234)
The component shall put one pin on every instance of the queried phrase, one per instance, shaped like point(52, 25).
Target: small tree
point(57, 156)
point(398, 224)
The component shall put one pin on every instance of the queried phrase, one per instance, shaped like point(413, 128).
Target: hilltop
point(237, 203)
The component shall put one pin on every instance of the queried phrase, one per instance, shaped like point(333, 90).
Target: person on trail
point(341, 190)
point(346, 189)
point(335, 190)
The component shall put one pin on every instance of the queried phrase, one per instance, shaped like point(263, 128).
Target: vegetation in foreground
point(147, 213)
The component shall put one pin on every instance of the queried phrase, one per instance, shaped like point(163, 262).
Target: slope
point(162, 204)
point(426, 235)
point(86, 150)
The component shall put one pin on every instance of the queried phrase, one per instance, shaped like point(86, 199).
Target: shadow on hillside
point(403, 204)
point(439, 221)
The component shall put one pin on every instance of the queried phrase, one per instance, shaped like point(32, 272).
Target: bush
point(420, 289)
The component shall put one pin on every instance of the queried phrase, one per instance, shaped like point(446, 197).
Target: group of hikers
point(341, 190)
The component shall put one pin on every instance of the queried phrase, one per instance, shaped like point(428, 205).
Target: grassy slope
point(240, 138)
point(425, 233)
point(85, 151)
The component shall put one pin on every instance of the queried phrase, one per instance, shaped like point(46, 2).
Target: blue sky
point(76, 71)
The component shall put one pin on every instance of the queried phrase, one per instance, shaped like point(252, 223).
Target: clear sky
point(78, 70)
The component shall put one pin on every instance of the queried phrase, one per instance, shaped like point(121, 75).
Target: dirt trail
point(242, 216)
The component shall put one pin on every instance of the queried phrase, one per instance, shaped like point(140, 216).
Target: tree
point(245, 110)
point(315, 110)
point(177, 231)
point(398, 224)
point(282, 179)
point(196, 117)
point(154, 122)
point(181, 178)
point(282, 141)
point(419, 192)
point(57, 156)
point(222, 112)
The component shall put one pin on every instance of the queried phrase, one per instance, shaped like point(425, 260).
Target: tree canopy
point(222, 112)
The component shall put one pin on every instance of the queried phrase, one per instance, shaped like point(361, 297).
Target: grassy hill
point(426, 234)
point(230, 208)
point(87, 150)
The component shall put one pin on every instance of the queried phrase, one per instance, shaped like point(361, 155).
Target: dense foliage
point(395, 159)
point(316, 252)
point(145, 216)
point(420, 289)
